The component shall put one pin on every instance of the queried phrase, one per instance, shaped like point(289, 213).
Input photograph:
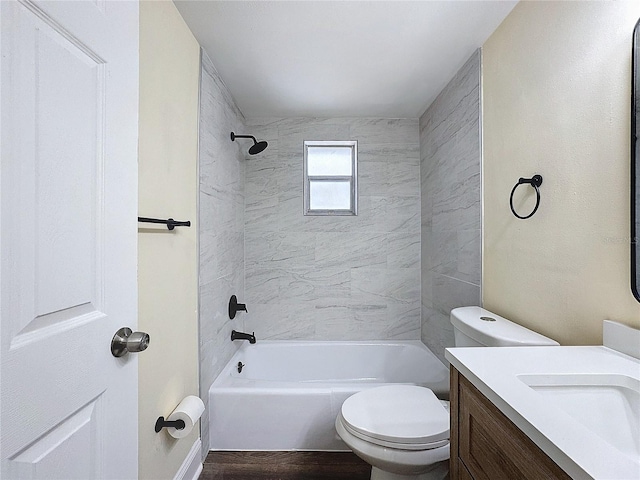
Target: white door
point(68, 207)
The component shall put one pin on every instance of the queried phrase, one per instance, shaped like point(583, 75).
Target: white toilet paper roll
point(189, 410)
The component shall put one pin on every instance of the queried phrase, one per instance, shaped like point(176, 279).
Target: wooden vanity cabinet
point(486, 445)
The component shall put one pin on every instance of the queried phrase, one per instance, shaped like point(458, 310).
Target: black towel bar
point(170, 222)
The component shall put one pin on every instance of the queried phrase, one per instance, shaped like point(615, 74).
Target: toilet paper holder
point(162, 423)
point(183, 418)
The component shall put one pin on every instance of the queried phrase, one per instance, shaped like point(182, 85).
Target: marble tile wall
point(334, 278)
point(221, 233)
point(451, 209)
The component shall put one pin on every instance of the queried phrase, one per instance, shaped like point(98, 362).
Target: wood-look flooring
point(284, 466)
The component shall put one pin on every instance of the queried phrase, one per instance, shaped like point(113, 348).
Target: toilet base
point(439, 471)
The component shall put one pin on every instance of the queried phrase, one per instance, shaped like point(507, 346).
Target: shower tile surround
point(334, 277)
point(450, 166)
point(221, 234)
point(338, 278)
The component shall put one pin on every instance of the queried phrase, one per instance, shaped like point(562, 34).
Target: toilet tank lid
point(499, 332)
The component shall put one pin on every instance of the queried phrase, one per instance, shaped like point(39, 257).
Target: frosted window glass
point(330, 195)
point(323, 161)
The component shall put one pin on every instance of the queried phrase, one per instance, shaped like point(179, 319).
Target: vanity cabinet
point(485, 444)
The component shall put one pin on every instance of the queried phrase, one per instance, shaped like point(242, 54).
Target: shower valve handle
point(235, 307)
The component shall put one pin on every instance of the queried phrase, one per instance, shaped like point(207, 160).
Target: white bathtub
point(289, 393)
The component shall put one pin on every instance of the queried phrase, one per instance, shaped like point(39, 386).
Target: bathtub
point(288, 394)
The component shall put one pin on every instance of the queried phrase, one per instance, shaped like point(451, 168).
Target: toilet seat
point(405, 417)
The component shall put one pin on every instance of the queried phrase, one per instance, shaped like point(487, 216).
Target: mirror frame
point(635, 165)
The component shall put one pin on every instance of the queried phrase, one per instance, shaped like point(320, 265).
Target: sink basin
point(606, 404)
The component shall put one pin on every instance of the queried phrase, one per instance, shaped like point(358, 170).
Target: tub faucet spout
point(243, 336)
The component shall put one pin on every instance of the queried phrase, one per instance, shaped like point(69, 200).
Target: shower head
point(257, 146)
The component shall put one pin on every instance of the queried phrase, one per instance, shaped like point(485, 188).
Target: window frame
point(353, 178)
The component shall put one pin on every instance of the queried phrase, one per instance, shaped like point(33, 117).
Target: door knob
point(125, 341)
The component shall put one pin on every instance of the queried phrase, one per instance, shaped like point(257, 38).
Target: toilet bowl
point(402, 431)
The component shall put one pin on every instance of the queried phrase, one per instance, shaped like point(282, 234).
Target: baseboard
point(192, 466)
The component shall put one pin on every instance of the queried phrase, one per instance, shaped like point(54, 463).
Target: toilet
point(403, 430)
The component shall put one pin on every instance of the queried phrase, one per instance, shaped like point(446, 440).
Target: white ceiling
point(339, 58)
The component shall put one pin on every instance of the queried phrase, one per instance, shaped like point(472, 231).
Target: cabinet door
point(492, 447)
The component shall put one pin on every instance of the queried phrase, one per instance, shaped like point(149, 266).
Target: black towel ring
point(535, 182)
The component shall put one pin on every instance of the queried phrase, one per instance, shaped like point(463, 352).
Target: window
point(330, 177)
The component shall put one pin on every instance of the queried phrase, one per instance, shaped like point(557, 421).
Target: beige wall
point(167, 275)
point(556, 84)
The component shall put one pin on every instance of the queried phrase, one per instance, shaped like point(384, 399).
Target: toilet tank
point(477, 327)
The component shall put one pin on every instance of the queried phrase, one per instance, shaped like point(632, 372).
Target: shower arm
point(257, 146)
point(234, 136)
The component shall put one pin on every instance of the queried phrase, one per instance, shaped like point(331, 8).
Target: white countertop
point(575, 448)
